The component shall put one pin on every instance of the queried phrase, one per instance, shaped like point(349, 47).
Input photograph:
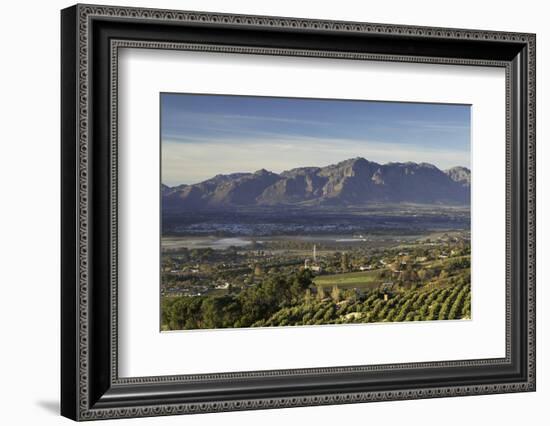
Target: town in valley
point(325, 269)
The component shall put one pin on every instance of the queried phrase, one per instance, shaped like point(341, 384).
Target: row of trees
point(414, 305)
point(287, 300)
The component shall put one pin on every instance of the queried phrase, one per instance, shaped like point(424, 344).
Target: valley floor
point(285, 281)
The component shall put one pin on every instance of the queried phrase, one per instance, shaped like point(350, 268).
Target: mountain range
point(356, 181)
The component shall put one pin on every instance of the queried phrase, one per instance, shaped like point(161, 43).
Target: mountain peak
point(427, 165)
point(460, 174)
point(458, 168)
point(356, 161)
point(263, 172)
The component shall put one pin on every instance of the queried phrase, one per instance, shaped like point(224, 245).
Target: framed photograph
point(263, 212)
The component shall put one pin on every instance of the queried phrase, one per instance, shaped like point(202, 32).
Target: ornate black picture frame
point(91, 36)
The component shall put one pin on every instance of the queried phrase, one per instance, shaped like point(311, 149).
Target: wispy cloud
point(182, 122)
point(430, 125)
point(265, 119)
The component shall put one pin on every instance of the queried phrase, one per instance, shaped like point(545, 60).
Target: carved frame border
point(87, 12)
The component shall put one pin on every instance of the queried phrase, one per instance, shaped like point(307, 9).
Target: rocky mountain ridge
point(356, 181)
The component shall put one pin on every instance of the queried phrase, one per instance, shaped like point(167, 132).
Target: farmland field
point(367, 279)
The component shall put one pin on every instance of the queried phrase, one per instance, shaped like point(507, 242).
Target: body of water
point(218, 243)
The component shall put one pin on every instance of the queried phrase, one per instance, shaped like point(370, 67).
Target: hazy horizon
point(206, 135)
point(305, 166)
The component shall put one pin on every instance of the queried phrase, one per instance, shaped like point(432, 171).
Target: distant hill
point(459, 174)
point(356, 181)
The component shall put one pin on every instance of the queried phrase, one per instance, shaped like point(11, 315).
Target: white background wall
point(29, 224)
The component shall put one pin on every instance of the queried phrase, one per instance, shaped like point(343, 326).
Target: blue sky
point(204, 135)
